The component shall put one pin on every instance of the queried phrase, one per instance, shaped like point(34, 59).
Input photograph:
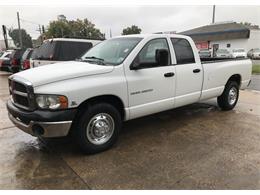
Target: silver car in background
point(239, 53)
point(254, 53)
point(223, 53)
point(205, 53)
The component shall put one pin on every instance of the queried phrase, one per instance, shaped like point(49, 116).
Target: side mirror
point(162, 57)
point(135, 65)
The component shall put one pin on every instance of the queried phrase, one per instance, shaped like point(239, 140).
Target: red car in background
point(15, 60)
point(25, 61)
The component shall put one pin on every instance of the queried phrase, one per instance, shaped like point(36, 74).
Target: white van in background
point(60, 49)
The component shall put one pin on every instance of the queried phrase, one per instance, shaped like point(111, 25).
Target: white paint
point(80, 81)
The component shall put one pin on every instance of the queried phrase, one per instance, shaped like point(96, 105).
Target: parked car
point(15, 60)
point(254, 53)
point(223, 53)
point(205, 53)
point(1, 53)
point(25, 61)
point(239, 53)
point(5, 60)
point(120, 79)
point(61, 49)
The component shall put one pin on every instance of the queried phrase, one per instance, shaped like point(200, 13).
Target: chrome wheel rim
point(232, 96)
point(100, 128)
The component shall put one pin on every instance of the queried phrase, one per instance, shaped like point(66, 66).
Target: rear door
point(189, 73)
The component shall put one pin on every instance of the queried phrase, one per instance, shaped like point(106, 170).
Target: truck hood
point(60, 71)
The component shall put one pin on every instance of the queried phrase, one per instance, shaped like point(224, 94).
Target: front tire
point(229, 97)
point(98, 128)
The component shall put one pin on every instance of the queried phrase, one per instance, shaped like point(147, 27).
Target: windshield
point(238, 50)
point(204, 51)
point(222, 51)
point(257, 50)
point(113, 51)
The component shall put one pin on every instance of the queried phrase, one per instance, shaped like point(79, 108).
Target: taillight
point(1, 62)
point(26, 64)
point(14, 62)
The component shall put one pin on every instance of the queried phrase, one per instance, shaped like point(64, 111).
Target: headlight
point(52, 102)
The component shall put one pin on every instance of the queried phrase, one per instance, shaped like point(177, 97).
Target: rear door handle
point(169, 74)
point(196, 70)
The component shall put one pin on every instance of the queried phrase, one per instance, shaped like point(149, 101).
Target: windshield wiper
point(92, 59)
point(95, 58)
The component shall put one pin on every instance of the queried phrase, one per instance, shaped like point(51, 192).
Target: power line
point(29, 21)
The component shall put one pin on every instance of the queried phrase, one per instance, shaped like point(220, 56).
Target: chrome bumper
point(47, 129)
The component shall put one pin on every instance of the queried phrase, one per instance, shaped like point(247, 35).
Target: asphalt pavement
point(255, 82)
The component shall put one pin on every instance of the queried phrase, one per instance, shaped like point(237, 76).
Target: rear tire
point(229, 97)
point(98, 128)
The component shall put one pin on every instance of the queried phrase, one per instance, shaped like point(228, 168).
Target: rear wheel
point(229, 97)
point(98, 128)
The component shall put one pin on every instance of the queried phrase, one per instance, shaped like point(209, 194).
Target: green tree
point(73, 29)
point(250, 25)
point(131, 30)
point(26, 38)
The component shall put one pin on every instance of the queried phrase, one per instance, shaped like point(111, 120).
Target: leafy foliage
point(73, 29)
point(26, 38)
point(131, 30)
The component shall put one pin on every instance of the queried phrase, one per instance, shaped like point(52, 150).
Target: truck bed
point(214, 59)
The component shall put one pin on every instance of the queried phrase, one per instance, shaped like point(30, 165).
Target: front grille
point(22, 94)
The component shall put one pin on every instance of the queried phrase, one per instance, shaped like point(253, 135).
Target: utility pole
point(5, 36)
point(20, 32)
point(110, 33)
point(40, 30)
point(213, 17)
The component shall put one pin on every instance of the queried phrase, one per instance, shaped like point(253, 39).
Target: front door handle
point(196, 70)
point(169, 74)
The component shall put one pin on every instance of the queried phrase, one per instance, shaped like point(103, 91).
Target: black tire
point(223, 100)
point(81, 125)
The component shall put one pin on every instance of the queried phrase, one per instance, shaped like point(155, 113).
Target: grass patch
point(256, 69)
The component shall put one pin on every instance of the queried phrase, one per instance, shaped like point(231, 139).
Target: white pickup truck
point(118, 80)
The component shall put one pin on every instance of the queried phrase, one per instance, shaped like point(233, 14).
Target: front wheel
point(229, 97)
point(98, 128)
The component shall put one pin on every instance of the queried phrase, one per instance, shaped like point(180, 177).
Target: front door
point(151, 89)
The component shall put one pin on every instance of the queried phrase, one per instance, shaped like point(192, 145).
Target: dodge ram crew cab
point(120, 79)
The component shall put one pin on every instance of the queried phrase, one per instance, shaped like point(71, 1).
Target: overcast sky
point(149, 18)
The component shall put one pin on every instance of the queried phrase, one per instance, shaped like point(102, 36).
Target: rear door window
point(183, 51)
point(70, 50)
point(45, 51)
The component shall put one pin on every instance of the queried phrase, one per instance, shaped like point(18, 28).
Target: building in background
point(225, 35)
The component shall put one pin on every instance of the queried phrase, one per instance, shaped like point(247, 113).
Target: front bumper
point(42, 123)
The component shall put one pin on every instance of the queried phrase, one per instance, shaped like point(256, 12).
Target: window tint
point(68, 50)
point(147, 56)
point(45, 51)
point(183, 51)
point(27, 54)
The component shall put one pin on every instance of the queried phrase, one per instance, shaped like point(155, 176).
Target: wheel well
point(236, 78)
point(110, 99)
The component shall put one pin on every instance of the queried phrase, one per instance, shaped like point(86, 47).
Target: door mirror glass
point(162, 57)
